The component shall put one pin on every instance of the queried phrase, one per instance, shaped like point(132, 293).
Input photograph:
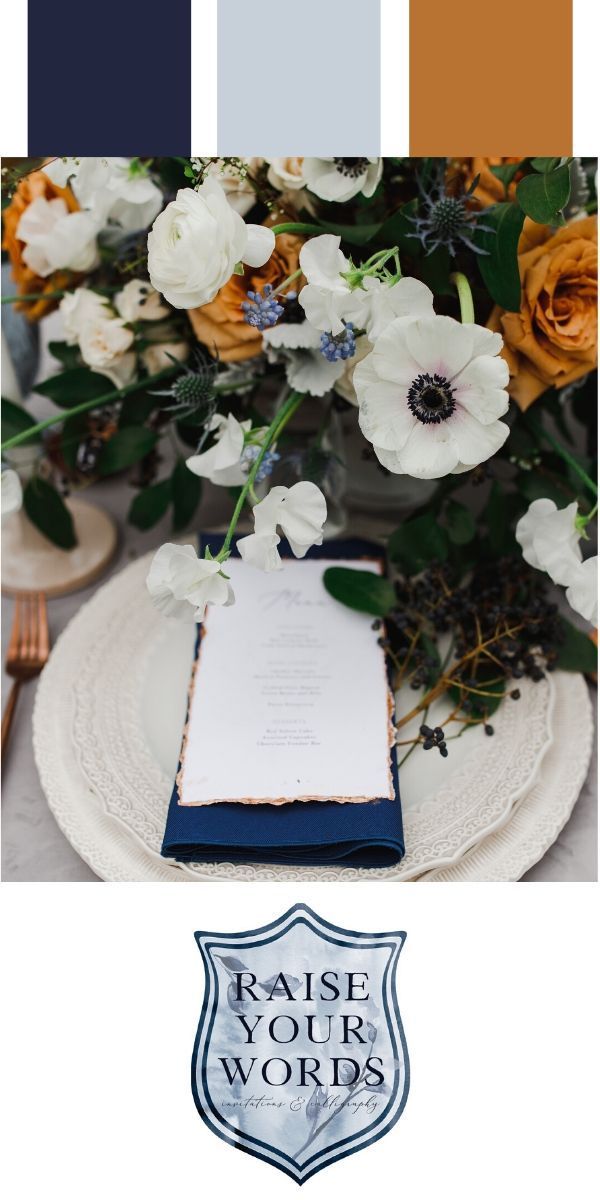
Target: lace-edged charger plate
point(108, 717)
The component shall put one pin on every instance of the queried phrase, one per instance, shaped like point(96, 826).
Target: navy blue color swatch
point(109, 79)
point(303, 833)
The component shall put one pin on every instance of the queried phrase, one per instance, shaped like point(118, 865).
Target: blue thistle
point(447, 220)
point(340, 345)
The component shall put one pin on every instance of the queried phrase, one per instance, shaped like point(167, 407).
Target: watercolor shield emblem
point(300, 1056)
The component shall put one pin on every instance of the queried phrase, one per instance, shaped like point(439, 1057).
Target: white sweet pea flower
point(138, 301)
point(56, 238)
point(582, 592)
point(430, 395)
point(104, 344)
point(406, 298)
point(196, 243)
point(78, 308)
point(116, 191)
point(549, 539)
point(222, 464)
point(306, 368)
point(327, 298)
point(339, 179)
point(12, 493)
point(181, 584)
point(299, 511)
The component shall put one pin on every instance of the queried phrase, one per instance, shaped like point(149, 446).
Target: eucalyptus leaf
point(417, 543)
point(124, 448)
point(16, 419)
point(150, 505)
point(186, 490)
point(577, 652)
point(362, 590)
point(543, 197)
point(499, 267)
point(47, 510)
point(544, 164)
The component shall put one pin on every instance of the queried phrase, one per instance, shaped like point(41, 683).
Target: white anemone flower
point(339, 179)
point(222, 464)
point(306, 368)
point(181, 584)
point(12, 493)
point(549, 539)
point(582, 592)
point(196, 243)
point(430, 395)
point(327, 298)
point(300, 512)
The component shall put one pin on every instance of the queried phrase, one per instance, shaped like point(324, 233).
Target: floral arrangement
point(447, 307)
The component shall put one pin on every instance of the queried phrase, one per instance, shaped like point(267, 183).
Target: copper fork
point(28, 649)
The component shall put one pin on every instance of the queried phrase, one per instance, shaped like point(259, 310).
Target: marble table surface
point(33, 847)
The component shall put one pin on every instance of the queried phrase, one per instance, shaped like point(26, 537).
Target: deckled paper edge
point(279, 800)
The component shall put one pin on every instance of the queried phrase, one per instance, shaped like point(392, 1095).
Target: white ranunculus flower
point(104, 343)
point(222, 463)
point(114, 190)
point(57, 239)
point(160, 355)
point(582, 592)
point(298, 347)
point(181, 584)
point(549, 539)
point(196, 242)
point(12, 493)
point(339, 179)
point(327, 299)
point(78, 308)
point(139, 301)
point(299, 511)
point(430, 394)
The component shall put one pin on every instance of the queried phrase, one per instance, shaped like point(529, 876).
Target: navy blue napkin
point(303, 833)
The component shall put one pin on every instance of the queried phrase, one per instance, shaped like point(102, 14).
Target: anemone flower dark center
point(352, 167)
point(431, 399)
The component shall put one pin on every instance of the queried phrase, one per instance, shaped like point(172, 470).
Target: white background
point(102, 985)
point(498, 994)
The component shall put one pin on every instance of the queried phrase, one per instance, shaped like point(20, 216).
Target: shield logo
point(300, 1057)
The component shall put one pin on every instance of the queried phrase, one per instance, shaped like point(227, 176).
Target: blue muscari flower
point(339, 345)
point(262, 311)
point(250, 454)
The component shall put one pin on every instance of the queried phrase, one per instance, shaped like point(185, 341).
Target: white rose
point(196, 242)
point(104, 343)
point(139, 301)
point(286, 174)
point(56, 238)
point(79, 307)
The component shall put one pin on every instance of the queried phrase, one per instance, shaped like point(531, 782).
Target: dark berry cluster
point(434, 739)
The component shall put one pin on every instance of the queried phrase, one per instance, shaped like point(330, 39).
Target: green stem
point(279, 421)
point(32, 296)
point(297, 227)
point(536, 427)
point(286, 282)
point(465, 299)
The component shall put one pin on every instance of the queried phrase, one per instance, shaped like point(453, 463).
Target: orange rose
point(221, 325)
point(490, 189)
point(30, 187)
point(553, 339)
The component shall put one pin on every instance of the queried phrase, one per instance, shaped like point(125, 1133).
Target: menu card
point(289, 699)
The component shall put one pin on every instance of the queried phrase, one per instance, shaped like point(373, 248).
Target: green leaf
point(488, 682)
point(498, 515)
point(533, 486)
point(186, 489)
point(417, 543)
point(543, 164)
point(74, 386)
point(355, 235)
point(435, 271)
point(499, 268)
point(460, 523)
point(73, 432)
point(136, 408)
point(506, 172)
point(362, 590)
point(543, 197)
point(150, 505)
point(16, 419)
point(47, 510)
point(66, 354)
point(577, 652)
point(125, 447)
point(397, 229)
